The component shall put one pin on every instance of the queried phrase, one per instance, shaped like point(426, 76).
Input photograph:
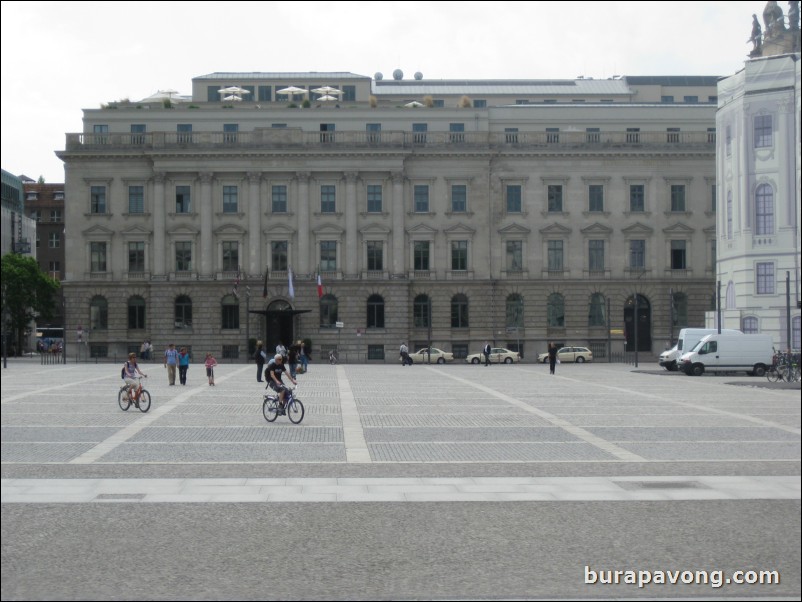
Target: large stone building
point(758, 170)
point(520, 212)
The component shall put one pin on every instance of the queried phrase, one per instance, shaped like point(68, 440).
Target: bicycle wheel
point(144, 401)
point(123, 401)
point(270, 409)
point(772, 375)
point(295, 411)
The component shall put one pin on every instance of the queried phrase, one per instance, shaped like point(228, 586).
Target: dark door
point(644, 323)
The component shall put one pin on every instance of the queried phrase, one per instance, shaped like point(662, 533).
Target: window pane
point(513, 198)
point(678, 197)
point(596, 312)
point(421, 255)
point(183, 256)
point(765, 278)
point(421, 198)
point(230, 199)
point(375, 249)
point(555, 248)
point(375, 312)
point(459, 255)
point(327, 199)
point(136, 199)
point(764, 210)
point(636, 197)
point(555, 198)
point(459, 311)
point(97, 252)
point(136, 256)
point(763, 133)
point(637, 254)
point(328, 255)
point(420, 311)
point(182, 199)
point(374, 198)
point(230, 256)
point(514, 256)
point(678, 255)
point(555, 310)
point(595, 197)
point(279, 198)
point(596, 255)
point(459, 198)
point(278, 255)
point(98, 199)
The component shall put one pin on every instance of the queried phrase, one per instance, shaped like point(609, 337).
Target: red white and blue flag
point(319, 286)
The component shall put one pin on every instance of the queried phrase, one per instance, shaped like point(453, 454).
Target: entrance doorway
point(279, 324)
point(644, 323)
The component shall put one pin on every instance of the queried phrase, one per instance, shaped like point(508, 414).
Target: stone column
point(159, 211)
point(206, 217)
point(398, 223)
point(351, 211)
point(302, 266)
point(254, 224)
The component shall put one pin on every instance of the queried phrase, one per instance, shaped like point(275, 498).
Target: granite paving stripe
point(706, 434)
point(446, 420)
point(675, 420)
point(356, 448)
point(28, 452)
point(222, 453)
point(704, 451)
point(274, 432)
point(488, 452)
point(250, 419)
point(232, 409)
point(118, 418)
point(483, 433)
point(55, 434)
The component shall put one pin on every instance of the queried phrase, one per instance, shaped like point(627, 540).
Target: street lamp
point(247, 321)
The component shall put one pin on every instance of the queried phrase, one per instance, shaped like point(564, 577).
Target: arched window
point(764, 210)
point(730, 298)
point(98, 313)
point(596, 311)
point(680, 310)
point(555, 310)
point(515, 311)
point(375, 311)
point(183, 312)
point(459, 311)
point(136, 313)
point(749, 325)
point(230, 313)
point(421, 311)
point(328, 311)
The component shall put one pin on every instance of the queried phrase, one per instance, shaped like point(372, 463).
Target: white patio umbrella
point(233, 91)
point(326, 98)
point(327, 90)
point(414, 104)
point(233, 97)
point(292, 91)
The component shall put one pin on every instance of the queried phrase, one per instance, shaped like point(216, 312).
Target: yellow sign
point(616, 331)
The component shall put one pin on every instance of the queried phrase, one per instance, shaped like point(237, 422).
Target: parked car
point(569, 354)
point(497, 356)
point(438, 356)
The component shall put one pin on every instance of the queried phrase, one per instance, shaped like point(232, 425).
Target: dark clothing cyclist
point(273, 373)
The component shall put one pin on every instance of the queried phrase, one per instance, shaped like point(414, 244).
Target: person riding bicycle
point(275, 368)
point(130, 370)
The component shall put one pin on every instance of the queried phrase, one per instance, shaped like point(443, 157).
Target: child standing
point(210, 364)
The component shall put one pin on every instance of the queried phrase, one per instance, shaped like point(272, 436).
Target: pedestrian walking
point(552, 357)
point(183, 365)
point(404, 352)
point(210, 364)
point(260, 357)
point(486, 351)
point(170, 362)
point(303, 358)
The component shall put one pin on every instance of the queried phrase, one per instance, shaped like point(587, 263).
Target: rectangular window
point(278, 198)
point(459, 255)
point(54, 240)
point(555, 252)
point(552, 135)
point(765, 278)
point(596, 198)
point(230, 132)
point(55, 215)
point(54, 269)
point(636, 198)
point(138, 133)
point(374, 132)
point(349, 93)
point(101, 134)
point(667, 99)
point(328, 255)
point(672, 135)
point(326, 133)
point(97, 256)
point(459, 198)
point(555, 198)
point(419, 133)
point(637, 254)
point(592, 135)
point(98, 199)
point(376, 352)
point(763, 133)
point(328, 199)
point(690, 99)
point(514, 204)
point(374, 198)
point(183, 133)
point(375, 249)
point(230, 199)
point(183, 256)
point(136, 256)
point(457, 132)
point(712, 198)
point(421, 255)
point(480, 103)
point(182, 199)
point(511, 135)
point(711, 135)
point(633, 135)
point(264, 93)
point(279, 255)
point(421, 192)
point(514, 256)
point(678, 197)
point(596, 255)
point(678, 259)
point(230, 256)
point(136, 199)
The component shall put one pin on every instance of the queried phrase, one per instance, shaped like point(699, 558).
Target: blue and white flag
point(291, 287)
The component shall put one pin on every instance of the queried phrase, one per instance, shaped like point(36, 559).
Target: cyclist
point(130, 370)
point(275, 368)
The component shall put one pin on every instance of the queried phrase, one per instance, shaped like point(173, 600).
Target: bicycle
point(293, 408)
point(141, 397)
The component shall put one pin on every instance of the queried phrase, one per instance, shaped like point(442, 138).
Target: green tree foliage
point(27, 292)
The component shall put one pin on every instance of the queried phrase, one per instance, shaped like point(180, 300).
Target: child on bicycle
point(210, 364)
point(130, 370)
point(273, 373)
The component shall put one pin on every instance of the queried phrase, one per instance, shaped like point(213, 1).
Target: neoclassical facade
point(455, 212)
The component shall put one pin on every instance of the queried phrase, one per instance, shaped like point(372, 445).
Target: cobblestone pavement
point(390, 437)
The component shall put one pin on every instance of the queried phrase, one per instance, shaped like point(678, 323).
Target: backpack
point(122, 374)
point(257, 355)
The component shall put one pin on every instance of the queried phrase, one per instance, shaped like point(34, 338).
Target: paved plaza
point(420, 482)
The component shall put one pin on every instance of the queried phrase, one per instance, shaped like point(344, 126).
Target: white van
point(687, 339)
point(750, 353)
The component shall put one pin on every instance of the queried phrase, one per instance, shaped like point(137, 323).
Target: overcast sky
point(59, 58)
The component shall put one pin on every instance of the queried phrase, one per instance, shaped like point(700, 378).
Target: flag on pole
point(236, 284)
point(319, 286)
point(264, 288)
point(291, 287)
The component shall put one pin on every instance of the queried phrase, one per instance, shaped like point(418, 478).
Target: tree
point(27, 292)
